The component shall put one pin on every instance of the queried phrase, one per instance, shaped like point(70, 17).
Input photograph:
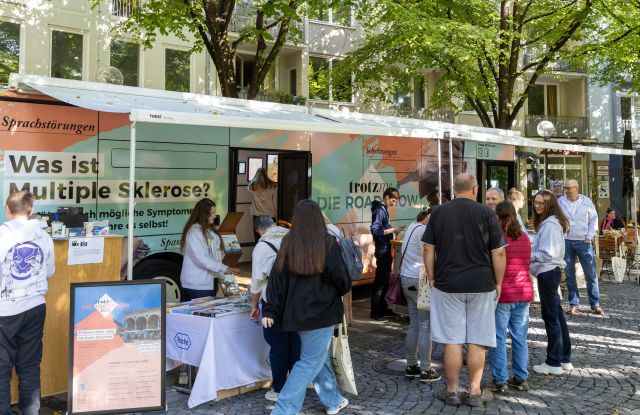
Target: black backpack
point(351, 256)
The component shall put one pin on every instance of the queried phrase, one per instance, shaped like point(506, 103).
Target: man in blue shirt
point(382, 232)
point(583, 225)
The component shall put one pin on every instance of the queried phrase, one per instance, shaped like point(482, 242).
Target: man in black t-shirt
point(465, 262)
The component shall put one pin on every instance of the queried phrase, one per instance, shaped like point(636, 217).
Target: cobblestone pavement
point(606, 378)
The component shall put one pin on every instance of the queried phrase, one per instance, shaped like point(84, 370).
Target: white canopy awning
point(158, 106)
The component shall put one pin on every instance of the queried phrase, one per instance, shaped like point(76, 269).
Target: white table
point(230, 352)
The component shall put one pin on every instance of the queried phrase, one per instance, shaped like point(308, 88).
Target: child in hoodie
point(547, 259)
point(28, 261)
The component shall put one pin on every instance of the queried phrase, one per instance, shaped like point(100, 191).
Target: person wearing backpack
point(284, 347)
point(418, 340)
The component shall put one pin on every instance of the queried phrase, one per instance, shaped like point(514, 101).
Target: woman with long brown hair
point(547, 259)
point(202, 249)
point(304, 295)
point(512, 311)
point(264, 193)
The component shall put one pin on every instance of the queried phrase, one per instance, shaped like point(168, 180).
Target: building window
point(293, 82)
point(66, 55)
point(177, 70)
point(9, 50)
point(321, 86)
point(341, 15)
point(560, 169)
point(543, 100)
point(126, 57)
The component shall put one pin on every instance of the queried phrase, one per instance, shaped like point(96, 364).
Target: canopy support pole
point(634, 215)
point(132, 201)
point(451, 170)
point(439, 172)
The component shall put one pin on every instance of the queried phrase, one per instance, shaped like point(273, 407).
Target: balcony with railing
point(244, 15)
point(632, 126)
point(559, 65)
point(565, 127)
point(124, 8)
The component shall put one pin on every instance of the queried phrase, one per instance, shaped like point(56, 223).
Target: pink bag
point(394, 293)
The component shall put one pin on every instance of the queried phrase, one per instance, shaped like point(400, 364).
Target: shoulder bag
point(394, 293)
point(341, 359)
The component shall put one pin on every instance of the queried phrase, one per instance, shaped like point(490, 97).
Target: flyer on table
point(117, 347)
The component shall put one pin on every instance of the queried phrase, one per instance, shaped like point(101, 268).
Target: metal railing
point(124, 8)
point(565, 127)
point(559, 65)
point(421, 113)
point(244, 15)
point(632, 126)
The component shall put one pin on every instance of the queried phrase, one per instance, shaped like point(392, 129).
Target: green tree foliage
point(221, 26)
point(66, 55)
point(489, 53)
point(9, 49)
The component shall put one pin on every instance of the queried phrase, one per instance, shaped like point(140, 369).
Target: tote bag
point(341, 359)
point(424, 290)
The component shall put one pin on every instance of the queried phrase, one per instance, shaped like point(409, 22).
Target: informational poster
point(117, 347)
point(86, 250)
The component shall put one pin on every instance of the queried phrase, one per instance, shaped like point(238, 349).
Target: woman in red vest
point(512, 312)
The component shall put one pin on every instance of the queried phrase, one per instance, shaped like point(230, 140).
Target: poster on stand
point(117, 347)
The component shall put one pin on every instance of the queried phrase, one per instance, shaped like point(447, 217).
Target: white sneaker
point(566, 366)
point(271, 395)
point(548, 370)
point(343, 404)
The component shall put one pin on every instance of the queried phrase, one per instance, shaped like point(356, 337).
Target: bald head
point(464, 185)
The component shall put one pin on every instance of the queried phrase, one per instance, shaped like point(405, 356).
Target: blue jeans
point(21, 347)
point(284, 352)
point(558, 340)
point(515, 318)
point(418, 340)
point(584, 252)
point(314, 365)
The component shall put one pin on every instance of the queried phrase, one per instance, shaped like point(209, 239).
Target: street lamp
point(545, 130)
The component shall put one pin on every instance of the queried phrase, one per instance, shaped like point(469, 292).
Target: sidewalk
point(606, 380)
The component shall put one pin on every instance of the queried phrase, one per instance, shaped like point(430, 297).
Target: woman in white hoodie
point(547, 259)
point(203, 250)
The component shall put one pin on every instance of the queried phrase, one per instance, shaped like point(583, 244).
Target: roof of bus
point(159, 106)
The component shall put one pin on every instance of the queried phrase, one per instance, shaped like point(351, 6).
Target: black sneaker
point(412, 372)
point(519, 384)
point(500, 387)
point(430, 375)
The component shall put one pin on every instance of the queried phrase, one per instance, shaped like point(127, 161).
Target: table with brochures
point(219, 337)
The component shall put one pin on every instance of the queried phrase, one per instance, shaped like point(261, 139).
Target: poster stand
point(117, 333)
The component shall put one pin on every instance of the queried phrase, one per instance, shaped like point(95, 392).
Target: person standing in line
point(512, 312)
point(28, 261)
point(547, 261)
point(284, 347)
point(382, 232)
point(304, 296)
point(517, 198)
point(583, 225)
point(465, 262)
point(202, 250)
point(494, 196)
point(264, 194)
point(418, 340)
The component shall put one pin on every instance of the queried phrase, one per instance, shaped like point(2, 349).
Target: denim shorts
point(458, 318)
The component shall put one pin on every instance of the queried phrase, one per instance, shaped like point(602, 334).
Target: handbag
point(424, 290)
point(341, 359)
point(394, 293)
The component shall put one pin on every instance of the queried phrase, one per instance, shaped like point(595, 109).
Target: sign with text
point(117, 347)
point(88, 250)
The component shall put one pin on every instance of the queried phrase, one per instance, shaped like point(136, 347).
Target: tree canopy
point(221, 26)
point(489, 53)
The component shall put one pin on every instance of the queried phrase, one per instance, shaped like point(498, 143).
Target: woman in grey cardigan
point(547, 260)
point(203, 250)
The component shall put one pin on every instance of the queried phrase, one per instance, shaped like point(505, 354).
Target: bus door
point(294, 182)
point(500, 174)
